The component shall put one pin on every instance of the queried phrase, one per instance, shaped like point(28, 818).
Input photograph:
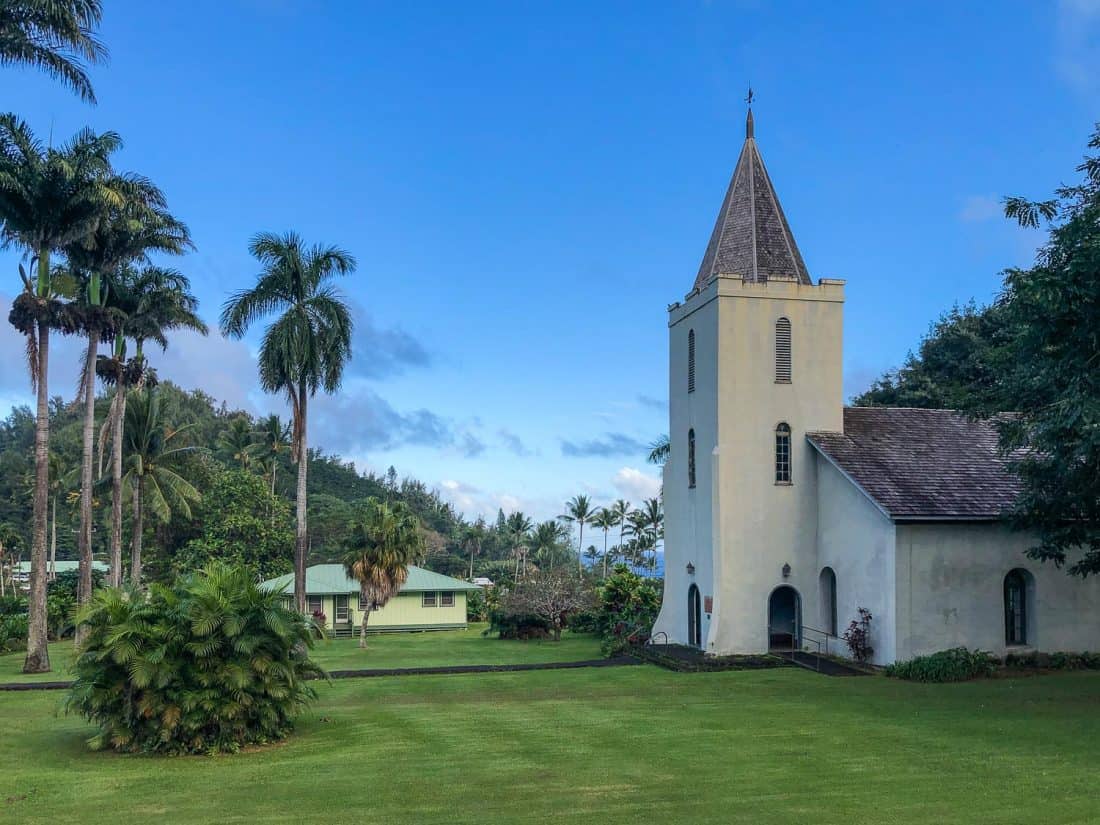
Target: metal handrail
point(650, 640)
point(824, 633)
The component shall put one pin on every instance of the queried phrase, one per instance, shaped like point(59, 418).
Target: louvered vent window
point(691, 360)
point(783, 454)
point(782, 351)
point(691, 458)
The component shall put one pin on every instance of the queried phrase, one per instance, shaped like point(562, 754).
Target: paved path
point(617, 661)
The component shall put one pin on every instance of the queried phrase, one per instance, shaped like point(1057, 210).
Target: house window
point(447, 599)
point(313, 605)
point(341, 608)
point(1016, 607)
point(364, 604)
point(691, 360)
point(783, 351)
point(428, 599)
point(691, 458)
point(783, 454)
point(828, 601)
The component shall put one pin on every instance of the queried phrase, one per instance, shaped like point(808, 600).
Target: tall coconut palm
point(56, 36)
point(518, 530)
point(383, 542)
point(305, 349)
point(621, 511)
point(472, 538)
point(237, 443)
point(48, 198)
point(579, 510)
point(153, 301)
point(273, 439)
point(136, 223)
point(604, 520)
point(546, 542)
point(154, 451)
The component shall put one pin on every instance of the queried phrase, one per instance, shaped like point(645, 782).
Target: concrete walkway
point(617, 661)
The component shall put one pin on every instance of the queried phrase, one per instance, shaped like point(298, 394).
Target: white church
point(786, 512)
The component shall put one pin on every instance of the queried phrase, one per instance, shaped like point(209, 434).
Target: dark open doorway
point(784, 618)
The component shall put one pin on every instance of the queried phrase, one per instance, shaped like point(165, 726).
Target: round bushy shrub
point(955, 665)
point(210, 664)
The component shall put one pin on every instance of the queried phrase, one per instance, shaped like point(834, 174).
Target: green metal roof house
point(427, 600)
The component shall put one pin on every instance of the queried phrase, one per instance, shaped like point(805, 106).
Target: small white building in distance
point(786, 512)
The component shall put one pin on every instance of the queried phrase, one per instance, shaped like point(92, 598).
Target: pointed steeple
point(751, 238)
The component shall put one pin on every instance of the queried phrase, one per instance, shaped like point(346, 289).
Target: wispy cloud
point(382, 353)
point(513, 443)
point(635, 484)
point(659, 404)
point(612, 444)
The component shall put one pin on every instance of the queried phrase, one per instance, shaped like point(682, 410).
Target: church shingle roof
point(751, 238)
point(915, 464)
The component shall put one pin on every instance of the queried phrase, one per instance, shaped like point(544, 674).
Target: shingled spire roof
point(751, 238)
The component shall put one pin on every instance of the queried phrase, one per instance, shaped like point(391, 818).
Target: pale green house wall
point(404, 611)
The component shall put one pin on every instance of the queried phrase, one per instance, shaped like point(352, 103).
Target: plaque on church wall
point(708, 601)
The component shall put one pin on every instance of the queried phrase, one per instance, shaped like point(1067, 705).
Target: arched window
point(1017, 607)
point(691, 458)
point(828, 600)
point(783, 351)
point(783, 454)
point(695, 618)
point(691, 360)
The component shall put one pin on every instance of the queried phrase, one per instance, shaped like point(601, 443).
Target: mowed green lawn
point(613, 745)
point(439, 648)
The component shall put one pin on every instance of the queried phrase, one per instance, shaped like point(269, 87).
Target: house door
point(784, 618)
point(695, 624)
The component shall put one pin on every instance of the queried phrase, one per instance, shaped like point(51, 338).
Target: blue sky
point(527, 186)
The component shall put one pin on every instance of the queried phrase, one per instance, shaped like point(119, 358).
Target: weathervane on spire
point(749, 98)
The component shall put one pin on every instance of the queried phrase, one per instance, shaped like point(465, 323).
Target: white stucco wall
point(857, 541)
point(950, 592)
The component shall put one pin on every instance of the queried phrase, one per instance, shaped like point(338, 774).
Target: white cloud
point(978, 208)
point(635, 484)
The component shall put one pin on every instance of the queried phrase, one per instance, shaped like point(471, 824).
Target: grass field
point(600, 746)
point(447, 647)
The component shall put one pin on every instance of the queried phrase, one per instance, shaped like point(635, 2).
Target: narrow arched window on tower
point(691, 360)
point(783, 351)
point(783, 454)
point(691, 458)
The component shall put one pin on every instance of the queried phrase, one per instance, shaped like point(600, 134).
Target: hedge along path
point(369, 673)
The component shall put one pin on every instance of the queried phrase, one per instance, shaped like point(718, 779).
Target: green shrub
point(628, 607)
point(210, 664)
point(13, 632)
point(1054, 661)
point(955, 665)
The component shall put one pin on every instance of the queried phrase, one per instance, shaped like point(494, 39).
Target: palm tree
point(546, 541)
point(580, 510)
point(605, 519)
point(472, 537)
point(621, 511)
point(237, 442)
point(153, 454)
point(304, 350)
point(518, 528)
point(384, 540)
point(274, 440)
point(134, 225)
point(659, 450)
point(48, 198)
point(55, 36)
point(153, 301)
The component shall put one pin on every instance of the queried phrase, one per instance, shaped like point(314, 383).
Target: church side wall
point(951, 592)
point(857, 541)
point(688, 513)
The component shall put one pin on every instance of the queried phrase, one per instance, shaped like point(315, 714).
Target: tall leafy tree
point(579, 510)
point(604, 520)
point(154, 452)
point(56, 36)
point(304, 350)
point(473, 536)
point(237, 443)
point(384, 541)
point(273, 439)
point(48, 199)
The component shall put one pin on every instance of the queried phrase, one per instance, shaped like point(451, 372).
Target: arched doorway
point(695, 616)
point(784, 618)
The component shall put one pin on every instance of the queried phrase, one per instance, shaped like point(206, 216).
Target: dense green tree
point(56, 36)
point(305, 349)
point(383, 542)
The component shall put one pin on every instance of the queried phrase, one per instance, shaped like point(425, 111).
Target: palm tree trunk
point(363, 631)
point(580, 549)
point(301, 536)
point(138, 526)
point(605, 551)
point(117, 425)
point(84, 580)
point(38, 655)
point(53, 539)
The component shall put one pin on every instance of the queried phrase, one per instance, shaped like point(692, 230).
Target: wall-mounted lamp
point(786, 571)
point(691, 569)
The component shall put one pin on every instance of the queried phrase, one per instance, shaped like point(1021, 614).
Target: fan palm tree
point(56, 36)
point(134, 225)
point(152, 301)
point(153, 455)
point(604, 520)
point(48, 198)
point(384, 540)
point(579, 510)
point(305, 349)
